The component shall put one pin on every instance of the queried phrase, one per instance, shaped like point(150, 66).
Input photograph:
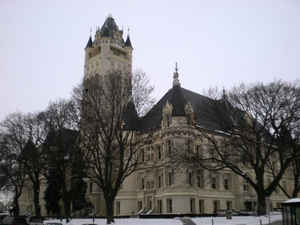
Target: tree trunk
point(261, 203)
point(109, 210)
point(67, 206)
point(16, 210)
point(36, 199)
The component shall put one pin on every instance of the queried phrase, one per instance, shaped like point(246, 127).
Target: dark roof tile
point(90, 43)
point(128, 42)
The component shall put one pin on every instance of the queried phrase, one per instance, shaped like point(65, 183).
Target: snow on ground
point(130, 221)
point(236, 220)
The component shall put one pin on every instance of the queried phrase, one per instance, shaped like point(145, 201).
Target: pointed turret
point(90, 43)
point(177, 99)
point(109, 27)
point(175, 77)
point(128, 42)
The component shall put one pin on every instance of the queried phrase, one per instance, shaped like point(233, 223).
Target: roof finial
point(175, 76)
point(90, 31)
point(109, 15)
point(224, 96)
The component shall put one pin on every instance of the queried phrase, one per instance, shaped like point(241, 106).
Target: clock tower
point(108, 51)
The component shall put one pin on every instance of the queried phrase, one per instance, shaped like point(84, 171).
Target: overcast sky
point(215, 42)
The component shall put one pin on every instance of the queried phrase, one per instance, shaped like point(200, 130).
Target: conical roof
point(109, 27)
point(90, 43)
point(128, 42)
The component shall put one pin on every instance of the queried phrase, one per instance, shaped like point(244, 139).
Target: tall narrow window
point(169, 205)
point(198, 151)
point(118, 207)
point(170, 177)
point(216, 205)
point(159, 181)
point(192, 205)
point(140, 205)
point(143, 155)
point(199, 180)
point(169, 146)
point(91, 187)
point(229, 205)
point(143, 184)
point(158, 152)
point(190, 178)
point(226, 183)
point(214, 183)
point(201, 206)
point(159, 206)
point(246, 186)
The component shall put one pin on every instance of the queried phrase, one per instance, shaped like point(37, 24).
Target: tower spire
point(176, 76)
point(128, 42)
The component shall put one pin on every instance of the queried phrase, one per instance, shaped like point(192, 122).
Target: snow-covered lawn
point(236, 220)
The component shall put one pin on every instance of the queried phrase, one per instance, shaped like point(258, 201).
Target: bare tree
point(108, 133)
point(12, 144)
point(295, 172)
point(33, 156)
point(141, 92)
point(255, 135)
point(62, 149)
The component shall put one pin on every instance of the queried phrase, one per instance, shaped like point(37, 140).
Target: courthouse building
point(158, 188)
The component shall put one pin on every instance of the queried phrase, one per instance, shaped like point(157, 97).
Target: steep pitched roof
point(130, 117)
point(128, 42)
point(109, 27)
point(178, 97)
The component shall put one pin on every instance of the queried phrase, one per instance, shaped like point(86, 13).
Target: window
point(152, 153)
point(198, 151)
point(226, 185)
point(216, 204)
point(118, 207)
point(170, 178)
point(159, 206)
point(192, 205)
point(169, 205)
point(159, 181)
point(148, 154)
point(149, 202)
point(214, 183)
point(140, 205)
point(169, 147)
point(143, 184)
point(229, 205)
point(199, 179)
point(190, 178)
point(158, 152)
point(143, 155)
point(201, 206)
